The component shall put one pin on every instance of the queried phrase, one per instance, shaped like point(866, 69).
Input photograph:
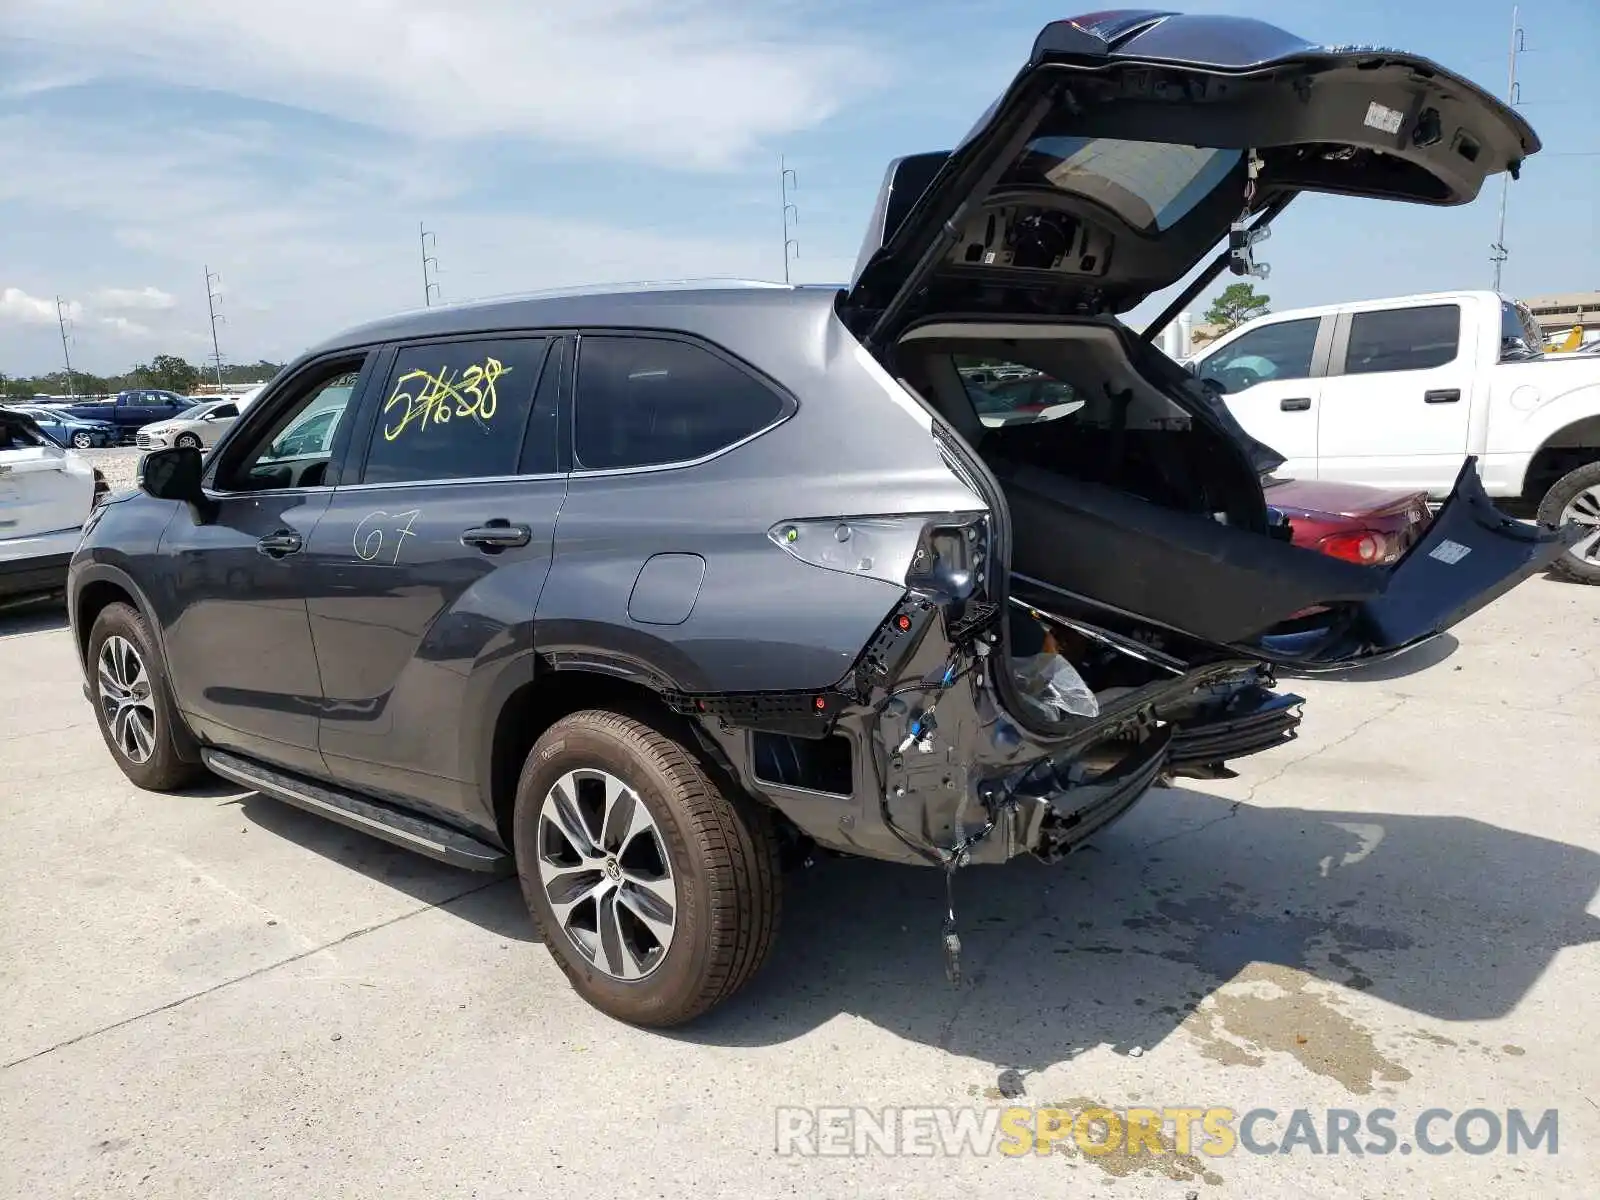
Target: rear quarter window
point(654, 401)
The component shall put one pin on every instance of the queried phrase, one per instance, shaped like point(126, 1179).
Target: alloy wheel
point(83, 440)
point(1584, 510)
point(123, 685)
point(603, 865)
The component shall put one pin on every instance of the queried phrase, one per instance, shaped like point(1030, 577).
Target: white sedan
point(201, 426)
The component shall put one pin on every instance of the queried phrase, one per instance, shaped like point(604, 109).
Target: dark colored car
point(649, 591)
point(1372, 526)
point(131, 410)
point(64, 429)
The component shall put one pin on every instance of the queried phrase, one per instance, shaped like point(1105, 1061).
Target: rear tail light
point(1365, 546)
point(891, 548)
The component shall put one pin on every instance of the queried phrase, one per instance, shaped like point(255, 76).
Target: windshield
point(1150, 185)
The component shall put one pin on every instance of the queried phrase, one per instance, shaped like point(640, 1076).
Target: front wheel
point(1575, 499)
point(655, 888)
point(83, 440)
point(187, 441)
point(133, 703)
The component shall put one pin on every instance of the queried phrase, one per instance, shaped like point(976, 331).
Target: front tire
point(133, 703)
point(1575, 497)
point(82, 440)
point(187, 441)
point(655, 888)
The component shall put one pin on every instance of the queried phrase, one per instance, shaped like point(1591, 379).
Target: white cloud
point(124, 299)
point(681, 83)
point(17, 305)
point(125, 327)
point(304, 261)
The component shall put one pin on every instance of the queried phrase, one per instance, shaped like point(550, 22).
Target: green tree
point(168, 371)
point(1238, 303)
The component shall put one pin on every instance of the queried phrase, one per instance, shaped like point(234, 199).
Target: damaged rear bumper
point(1064, 819)
point(918, 753)
point(1252, 720)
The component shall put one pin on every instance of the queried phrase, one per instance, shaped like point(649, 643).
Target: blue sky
point(293, 147)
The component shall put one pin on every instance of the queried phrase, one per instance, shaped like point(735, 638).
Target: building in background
point(1559, 314)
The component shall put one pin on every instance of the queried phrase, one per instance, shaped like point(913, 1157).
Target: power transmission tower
point(430, 284)
point(212, 299)
point(61, 321)
point(1498, 252)
point(788, 179)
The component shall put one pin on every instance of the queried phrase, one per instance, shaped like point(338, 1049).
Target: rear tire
point(712, 853)
point(133, 702)
point(1576, 497)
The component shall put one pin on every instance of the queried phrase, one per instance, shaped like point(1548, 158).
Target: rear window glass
point(645, 401)
point(1150, 185)
point(1403, 339)
point(1520, 336)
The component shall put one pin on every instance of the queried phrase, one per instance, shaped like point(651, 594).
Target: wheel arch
point(92, 590)
point(1568, 448)
point(557, 690)
point(97, 586)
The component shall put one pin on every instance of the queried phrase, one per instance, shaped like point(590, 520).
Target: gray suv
point(648, 593)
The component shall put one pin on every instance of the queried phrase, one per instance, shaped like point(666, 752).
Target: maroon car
point(1369, 525)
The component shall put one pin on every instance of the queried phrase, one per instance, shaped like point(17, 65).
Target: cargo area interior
point(1124, 503)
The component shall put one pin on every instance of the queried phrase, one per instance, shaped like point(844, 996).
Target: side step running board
point(408, 830)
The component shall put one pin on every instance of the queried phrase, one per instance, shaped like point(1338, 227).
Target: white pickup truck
point(1398, 392)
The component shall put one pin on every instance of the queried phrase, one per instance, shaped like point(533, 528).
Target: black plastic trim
point(407, 830)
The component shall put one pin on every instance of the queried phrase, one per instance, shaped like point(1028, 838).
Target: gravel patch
point(119, 464)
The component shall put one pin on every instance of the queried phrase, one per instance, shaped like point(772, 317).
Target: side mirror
point(174, 475)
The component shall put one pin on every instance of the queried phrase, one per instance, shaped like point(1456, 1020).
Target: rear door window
point(1282, 350)
point(651, 401)
point(1403, 339)
point(455, 410)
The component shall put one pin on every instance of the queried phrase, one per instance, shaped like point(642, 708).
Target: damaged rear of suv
point(944, 568)
point(1112, 611)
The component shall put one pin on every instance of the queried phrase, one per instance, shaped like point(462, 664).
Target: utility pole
point(212, 298)
point(1498, 252)
point(788, 179)
point(430, 284)
point(61, 322)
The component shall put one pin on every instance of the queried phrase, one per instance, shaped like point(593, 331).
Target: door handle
point(1442, 396)
point(1298, 404)
point(494, 536)
point(277, 545)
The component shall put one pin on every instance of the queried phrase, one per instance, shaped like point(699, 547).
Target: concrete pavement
point(214, 994)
